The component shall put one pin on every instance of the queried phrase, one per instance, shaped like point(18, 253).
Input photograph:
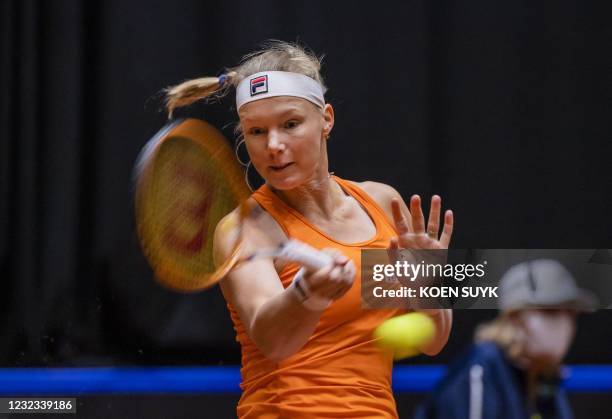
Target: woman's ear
point(328, 120)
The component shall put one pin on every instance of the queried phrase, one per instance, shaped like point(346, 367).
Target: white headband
point(278, 83)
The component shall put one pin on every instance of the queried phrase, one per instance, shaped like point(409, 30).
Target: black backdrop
point(503, 108)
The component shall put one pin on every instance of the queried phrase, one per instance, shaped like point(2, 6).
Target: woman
point(307, 346)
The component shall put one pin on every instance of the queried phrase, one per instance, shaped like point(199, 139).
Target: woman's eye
point(255, 131)
point(291, 124)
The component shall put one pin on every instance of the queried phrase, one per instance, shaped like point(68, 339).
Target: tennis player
point(307, 345)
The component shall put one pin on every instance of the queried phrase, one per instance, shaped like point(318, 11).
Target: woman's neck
point(316, 198)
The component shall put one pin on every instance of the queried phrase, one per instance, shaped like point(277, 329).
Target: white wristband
point(301, 291)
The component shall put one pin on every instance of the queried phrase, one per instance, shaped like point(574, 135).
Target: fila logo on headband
point(259, 85)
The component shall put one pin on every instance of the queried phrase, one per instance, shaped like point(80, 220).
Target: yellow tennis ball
point(405, 334)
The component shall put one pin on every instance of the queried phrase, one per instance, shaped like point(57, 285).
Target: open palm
point(410, 225)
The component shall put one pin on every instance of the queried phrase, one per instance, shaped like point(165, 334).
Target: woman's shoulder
point(381, 193)
point(256, 227)
point(378, 190)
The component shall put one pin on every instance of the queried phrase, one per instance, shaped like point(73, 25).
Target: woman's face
point(285, 139)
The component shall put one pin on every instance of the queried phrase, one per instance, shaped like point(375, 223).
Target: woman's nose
point(275, 143)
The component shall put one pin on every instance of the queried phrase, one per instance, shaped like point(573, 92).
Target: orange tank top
point(340, 371)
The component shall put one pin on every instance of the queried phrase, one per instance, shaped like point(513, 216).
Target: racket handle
point(309, 257)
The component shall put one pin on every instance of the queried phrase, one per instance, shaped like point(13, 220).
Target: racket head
point(186, 180)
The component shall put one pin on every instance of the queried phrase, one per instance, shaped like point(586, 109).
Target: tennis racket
point(186, 180)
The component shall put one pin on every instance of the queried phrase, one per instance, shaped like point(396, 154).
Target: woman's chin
point(284, 182)
point(290, 179)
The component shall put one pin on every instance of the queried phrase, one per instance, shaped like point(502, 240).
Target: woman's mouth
point(280, 167)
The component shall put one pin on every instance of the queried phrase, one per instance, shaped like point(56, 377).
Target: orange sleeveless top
point(340, 372)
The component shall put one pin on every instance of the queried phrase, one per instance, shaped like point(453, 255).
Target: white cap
point(542, 283)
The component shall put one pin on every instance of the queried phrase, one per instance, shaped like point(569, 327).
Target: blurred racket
point(187, 179)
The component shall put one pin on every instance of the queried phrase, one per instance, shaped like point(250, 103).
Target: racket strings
point(185, 187)
point(196, 214)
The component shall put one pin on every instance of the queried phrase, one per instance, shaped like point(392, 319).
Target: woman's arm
point(274, 318)
point(412, 234)
point(443, 318)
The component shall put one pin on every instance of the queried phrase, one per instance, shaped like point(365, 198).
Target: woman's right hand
point(334, 280)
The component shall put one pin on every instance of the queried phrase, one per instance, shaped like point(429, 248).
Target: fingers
point(433, 224)
point(393, 243)
point(393, 251)
point(418, 220)
point(447, 231)
point(337, 255)
point(423, 238)
point(334, 280)
point(403, 225)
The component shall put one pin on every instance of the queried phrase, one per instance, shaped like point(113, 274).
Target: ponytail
point(191, 91)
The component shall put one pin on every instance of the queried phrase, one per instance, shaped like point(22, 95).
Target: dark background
point(501, 107)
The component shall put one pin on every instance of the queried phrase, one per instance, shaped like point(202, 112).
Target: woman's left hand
point(410, 225)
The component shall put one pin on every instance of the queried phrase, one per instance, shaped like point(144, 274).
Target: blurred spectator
point(512, 371)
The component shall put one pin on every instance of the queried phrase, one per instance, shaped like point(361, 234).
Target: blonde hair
point(504, 332)
point(274, 56)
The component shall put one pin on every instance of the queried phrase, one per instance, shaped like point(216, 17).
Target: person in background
point(513, 369)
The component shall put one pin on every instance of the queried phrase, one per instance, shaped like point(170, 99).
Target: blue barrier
point(129, 380)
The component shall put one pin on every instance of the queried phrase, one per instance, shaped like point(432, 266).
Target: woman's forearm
point(443, 319)
point(282, 326)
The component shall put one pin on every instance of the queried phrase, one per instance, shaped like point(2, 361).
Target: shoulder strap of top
point(366, 201)
point(287, 218)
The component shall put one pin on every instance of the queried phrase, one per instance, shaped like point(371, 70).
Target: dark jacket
point(483, 384)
